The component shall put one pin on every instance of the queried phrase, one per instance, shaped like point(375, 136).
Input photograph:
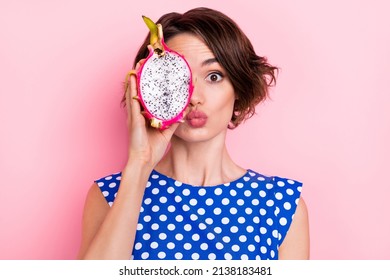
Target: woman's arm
point(296, 244)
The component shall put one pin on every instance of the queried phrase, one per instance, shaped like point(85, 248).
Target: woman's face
point(212, 101)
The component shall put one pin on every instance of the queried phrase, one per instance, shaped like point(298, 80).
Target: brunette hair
point(251, 75)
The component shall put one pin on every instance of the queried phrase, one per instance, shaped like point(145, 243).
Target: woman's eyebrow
point(209, 61)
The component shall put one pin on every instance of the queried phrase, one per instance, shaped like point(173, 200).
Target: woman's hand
point(147, 145)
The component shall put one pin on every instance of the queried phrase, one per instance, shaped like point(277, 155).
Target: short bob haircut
point(250, 74)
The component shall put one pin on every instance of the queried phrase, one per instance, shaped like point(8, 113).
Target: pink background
point(62, 64)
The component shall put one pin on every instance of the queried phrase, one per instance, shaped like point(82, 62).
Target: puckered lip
point(196, 119)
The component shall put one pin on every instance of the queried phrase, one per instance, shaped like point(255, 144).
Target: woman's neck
point(199, 163)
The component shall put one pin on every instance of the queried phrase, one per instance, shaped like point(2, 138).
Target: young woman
point(180, 195)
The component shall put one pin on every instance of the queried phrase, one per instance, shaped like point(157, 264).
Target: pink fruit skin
point(164, 123)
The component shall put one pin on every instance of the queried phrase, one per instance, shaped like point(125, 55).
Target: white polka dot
point(270, 203)
point(171, 208)
point(201, 211)
point(270, 222)
point(269, 186)
point(108, 178)
point(138, 246)
point(155, 226)
point(144, 255)
point(241, 220)
point(287, 205)
point(275, 233)
point(226, 239)
point(254, 185)
point(171, 190)
point(163, 199)
point(179, 236)
point(187, 246)
point(225, 201)
point(186, 192)
point(212, 256)
point(247, 193)
point(218, 191)
point(227, 256)
point(217, 211)
point(112, 185)
point(278, 196)
point(162, 182)
point(219, 245)
point(186, 207)
point(100, 184)
point(252, 173)
point(187, 227)
point(202, 226)
point(193, 217)
point(242, 238)
point(140, 226)
point(161, 255)
point(153, 245)
point(246, 179)
point(249, 229)
point(263, 230)
point(195, 237)
point(262, 193)
point(260, 178)
point(283, 221)
point(234, 229)
point(248, 211)
point(105, 193)
point(263, 249)
point(272, 254)
point(193, 202)
point(147, 201)
point(291, 182)
point(225, 220)
point(155, 208)
point(146, 236)
point(217, 230)
point(244, 257)
point(257, 239)
point(202, 192)
point(233, 210)
point(170, 245)
point(147, 218)
point(195, 256)
point(256, 220)
point(240, 202)
point(148, 184)
point(235, 248)
point(171, 227)
point(209, 201)
point(154, 176)
point(178, 256)
point(299, 189)
point(210, 236)
point(251, 248)
point(163, 218)
point(179, 218)
point(255, 202)
point(162, 236)
point(204, 246)
point(178, 184)
point(239, 185)
point(280, 184)
point(277, 211)
point(155, 191)
point(289, 191)
point(233, 193)
point(209, 221)
point(269, 241)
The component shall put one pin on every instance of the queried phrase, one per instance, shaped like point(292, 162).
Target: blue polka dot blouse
point(244, 219)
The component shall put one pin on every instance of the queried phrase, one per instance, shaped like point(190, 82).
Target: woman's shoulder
point(109, 186)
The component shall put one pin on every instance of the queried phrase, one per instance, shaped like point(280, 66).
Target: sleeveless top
point(245, 219)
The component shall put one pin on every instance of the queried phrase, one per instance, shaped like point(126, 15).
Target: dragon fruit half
point(164, 81)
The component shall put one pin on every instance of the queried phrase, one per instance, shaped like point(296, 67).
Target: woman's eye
point(214, 77)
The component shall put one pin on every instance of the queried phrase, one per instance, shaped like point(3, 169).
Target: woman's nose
point(197, 96)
